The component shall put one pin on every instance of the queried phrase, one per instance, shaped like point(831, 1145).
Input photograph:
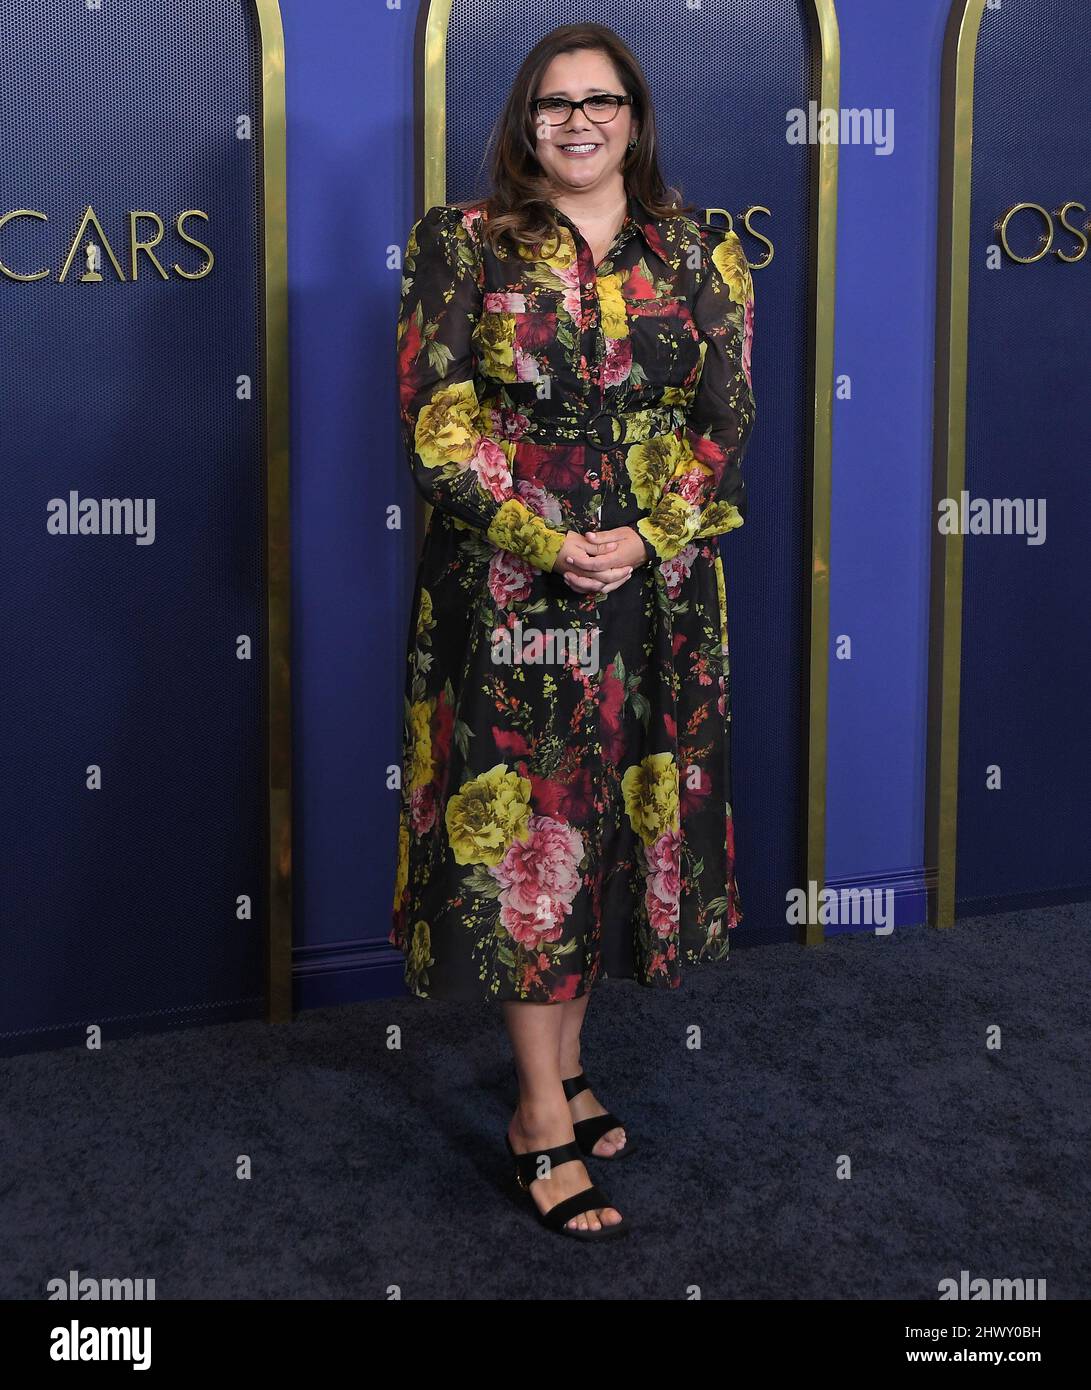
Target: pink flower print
point(618, 362)
point(537, 500)
point(490, 463)
point(526, 365)
point(692, 486)
point(422, 808)
point(664, 884)
point(539, 877)
point(505, 302)
point(510, 578)
point(570, 280)
point(676, 570)
point(506, 423)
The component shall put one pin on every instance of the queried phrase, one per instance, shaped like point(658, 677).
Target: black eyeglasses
point(600, 108)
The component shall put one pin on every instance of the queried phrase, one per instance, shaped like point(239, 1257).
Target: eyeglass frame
point(622, 99)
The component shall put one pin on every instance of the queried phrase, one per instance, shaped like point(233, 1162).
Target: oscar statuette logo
point(90, 275)
point(98, 245)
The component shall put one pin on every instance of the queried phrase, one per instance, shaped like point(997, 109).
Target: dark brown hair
point(518, 204)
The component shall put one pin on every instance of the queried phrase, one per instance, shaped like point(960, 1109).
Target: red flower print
point(570, 801)
point(692, 799)
point(407, 356)
point(511, 743)
point(556, 468)
point(611, 700)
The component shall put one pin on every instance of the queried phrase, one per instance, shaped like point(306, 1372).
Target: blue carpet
point(374, 1167)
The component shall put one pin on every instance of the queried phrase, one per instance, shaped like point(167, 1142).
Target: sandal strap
point(527, 1164)
point(591, 1130)
point(574, 1085)
point(589, 1199)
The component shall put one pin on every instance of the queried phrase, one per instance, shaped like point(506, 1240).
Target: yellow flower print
point(650, 789)
point(517, 529)
point(615, 323)
point(420, 770)
point(401, 876)
point(560, 259)
point(719, 518)
point(496, 335)
point(729, 258)
point(638, 429)
point(651, 465)
point(721, 598)
point(487, 815)
point(673, 526)
point(446, 431)
point(420, 952)
point(424, 612)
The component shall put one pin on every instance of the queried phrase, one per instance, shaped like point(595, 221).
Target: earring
point(632, 144)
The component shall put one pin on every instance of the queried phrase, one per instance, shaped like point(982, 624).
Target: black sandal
point(588, 1132)
point(526, 1172)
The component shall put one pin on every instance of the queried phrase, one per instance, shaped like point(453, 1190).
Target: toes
point(595, 1220)
point(614, 1140)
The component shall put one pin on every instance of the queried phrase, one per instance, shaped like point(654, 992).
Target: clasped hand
point(597, 562)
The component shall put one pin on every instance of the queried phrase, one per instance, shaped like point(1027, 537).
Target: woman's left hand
point(629, 552)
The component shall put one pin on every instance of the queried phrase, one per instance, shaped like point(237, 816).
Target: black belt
point(606, 429)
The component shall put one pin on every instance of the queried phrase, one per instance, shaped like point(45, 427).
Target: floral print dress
point(565, 805)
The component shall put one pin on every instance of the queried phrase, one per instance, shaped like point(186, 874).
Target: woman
point(574, 371)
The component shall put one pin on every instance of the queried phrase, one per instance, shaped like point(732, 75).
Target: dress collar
point(662, 235)
point(665, 237)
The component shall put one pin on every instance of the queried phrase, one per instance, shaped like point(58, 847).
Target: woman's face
point(581, 154)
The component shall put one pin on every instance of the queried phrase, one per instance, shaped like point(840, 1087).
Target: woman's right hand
point(590, 569)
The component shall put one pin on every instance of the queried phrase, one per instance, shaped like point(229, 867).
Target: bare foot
point(546, 1128)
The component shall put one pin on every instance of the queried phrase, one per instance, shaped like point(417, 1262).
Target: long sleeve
point(706, 495)
point(456, 466)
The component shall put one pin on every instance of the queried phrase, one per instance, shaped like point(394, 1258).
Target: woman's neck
point(599, 207)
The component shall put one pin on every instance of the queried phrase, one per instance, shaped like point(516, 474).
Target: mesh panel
point(1026, 673)
point(721, 122)
point(119, 904)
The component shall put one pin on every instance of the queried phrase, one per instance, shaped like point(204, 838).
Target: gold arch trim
point(825, 35)
point(278, 519)
point(949, 455)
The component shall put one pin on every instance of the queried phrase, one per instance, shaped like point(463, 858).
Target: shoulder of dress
point(715, 233)
point(449, 217)
point(445, 223)
point(469, 217)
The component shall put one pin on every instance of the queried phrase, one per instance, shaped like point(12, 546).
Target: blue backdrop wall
point(351, 189)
